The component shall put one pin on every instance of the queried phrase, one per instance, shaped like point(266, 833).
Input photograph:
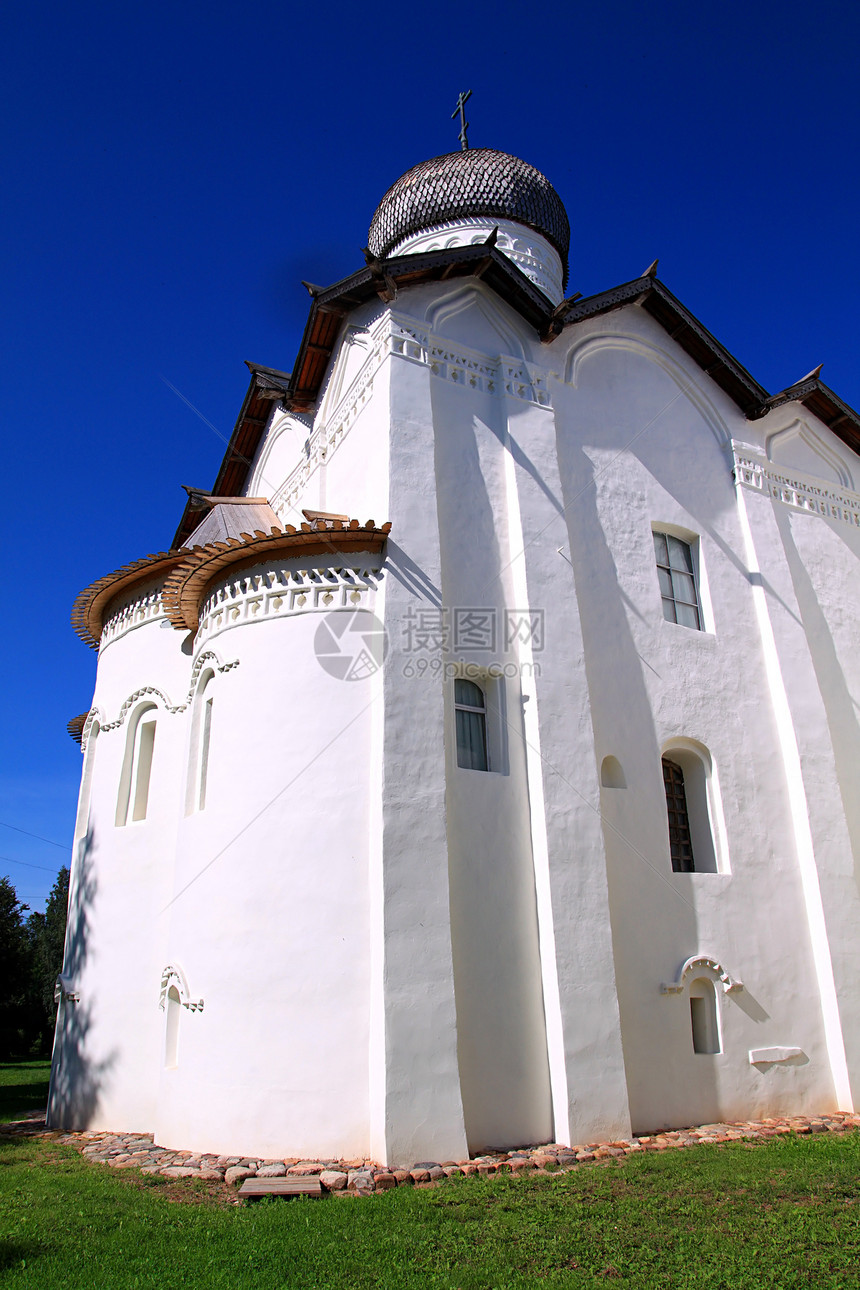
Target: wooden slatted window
point(680, 839)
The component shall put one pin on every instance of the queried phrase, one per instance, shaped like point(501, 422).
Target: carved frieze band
point(279, 593)
point(792, 488)
point(143, 609)
point(512, 378)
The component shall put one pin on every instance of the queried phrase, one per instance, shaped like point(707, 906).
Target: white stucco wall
point(400, 957)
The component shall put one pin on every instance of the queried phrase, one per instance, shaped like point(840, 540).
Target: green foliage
point(31, 957)
point(15, 972)
point(47, 935)
point(778, 1214)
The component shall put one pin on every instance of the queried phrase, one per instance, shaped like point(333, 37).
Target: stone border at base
point(366, 1177)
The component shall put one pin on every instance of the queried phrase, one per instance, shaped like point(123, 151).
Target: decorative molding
point(799, 429)
point(282, 593)
point(65, 991)
point(400, 336)
point(702, 963)
point(94, 715)
point(132, 699)
point(765, 1056)
point(794, 488)
point(209, 656)
point(142, 609)
point(690, 386)
point(94, 600)
point(502, 375)
point(173, 975)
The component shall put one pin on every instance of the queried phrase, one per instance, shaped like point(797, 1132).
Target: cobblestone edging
point(364, 1177)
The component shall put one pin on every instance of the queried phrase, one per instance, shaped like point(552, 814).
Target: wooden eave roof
point(682, 327)
point(822, 403)
point(267, 386)
point(714, 359)
point(385, 278)
point(89, 609)
point(188, 584)
point(76, 727)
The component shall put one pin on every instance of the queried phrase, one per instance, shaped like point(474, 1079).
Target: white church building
point(478, 767)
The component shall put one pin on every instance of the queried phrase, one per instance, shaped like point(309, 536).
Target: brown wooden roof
point(822, 403)
point(188, 584)
point(267, 387)
point(76, 727)
point(91, 605)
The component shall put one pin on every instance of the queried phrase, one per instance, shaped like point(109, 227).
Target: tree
point(47, 935)
point(15, 973)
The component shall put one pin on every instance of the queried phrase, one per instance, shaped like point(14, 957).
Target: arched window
point(470, 715)
point(133, 797)
point(697, 838)
point(704, 1017)
point(82, 821)
point(680, 839)
point(198, 756)
point(171, 1035)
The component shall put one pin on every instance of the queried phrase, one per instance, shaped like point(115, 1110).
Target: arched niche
point(472, 317)
point(612, 773)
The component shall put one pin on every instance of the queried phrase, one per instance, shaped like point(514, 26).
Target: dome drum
point(462, 185)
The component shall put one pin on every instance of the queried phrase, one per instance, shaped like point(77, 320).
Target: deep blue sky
point(171, 172)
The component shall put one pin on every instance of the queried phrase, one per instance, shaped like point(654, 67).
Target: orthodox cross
point(464, 124)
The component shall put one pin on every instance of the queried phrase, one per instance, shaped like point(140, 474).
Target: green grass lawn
point(782, 1213)
point(23, 1087)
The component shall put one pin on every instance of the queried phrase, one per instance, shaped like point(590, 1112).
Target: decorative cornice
point(702, 963)
point(795, 489)
point(88, 611)
point(144, 608)
point(173, 975)
point(186, 588)
point(502, 376)
point(282, 593)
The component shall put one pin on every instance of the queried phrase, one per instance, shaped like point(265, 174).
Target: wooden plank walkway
point(253, 1188)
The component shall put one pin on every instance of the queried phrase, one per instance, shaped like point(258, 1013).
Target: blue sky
point(172, 172)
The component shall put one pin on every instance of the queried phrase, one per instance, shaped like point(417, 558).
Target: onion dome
point(460, 185)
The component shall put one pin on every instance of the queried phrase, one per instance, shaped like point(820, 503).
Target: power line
point(37, 836)
point(9, 860)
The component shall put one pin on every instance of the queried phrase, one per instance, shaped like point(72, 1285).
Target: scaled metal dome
point(476, 181)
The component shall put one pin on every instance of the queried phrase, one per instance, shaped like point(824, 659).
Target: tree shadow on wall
point(77, 1079)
